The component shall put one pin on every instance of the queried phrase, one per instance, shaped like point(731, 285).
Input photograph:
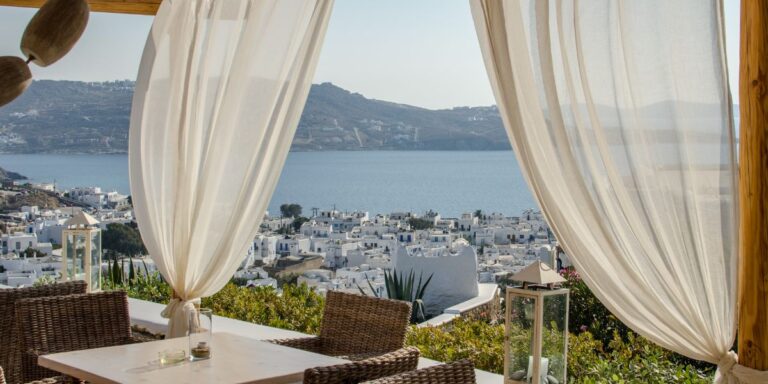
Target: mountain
point(81, 117)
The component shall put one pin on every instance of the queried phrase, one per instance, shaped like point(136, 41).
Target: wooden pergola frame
point(753, 185)
point(136, 7)
point(753, 172)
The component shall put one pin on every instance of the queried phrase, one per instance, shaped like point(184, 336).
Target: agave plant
point(402, 287)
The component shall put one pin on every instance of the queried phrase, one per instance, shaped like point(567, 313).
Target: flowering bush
point(587, 313)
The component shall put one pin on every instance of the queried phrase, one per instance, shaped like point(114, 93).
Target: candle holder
point(200, 333)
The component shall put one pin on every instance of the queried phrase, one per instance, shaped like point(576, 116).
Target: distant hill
point(68, 117)
point(337, 119)
point(80, 117)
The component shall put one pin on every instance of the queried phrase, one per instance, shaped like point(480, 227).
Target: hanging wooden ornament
point(54, 30)
point(15, 77)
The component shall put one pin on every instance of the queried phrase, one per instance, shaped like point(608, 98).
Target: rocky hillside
point(14, 201)
point(79, 117)
point(6, 175)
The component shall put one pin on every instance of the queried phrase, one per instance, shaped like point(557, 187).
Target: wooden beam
point(136, 7)
point(753, 185)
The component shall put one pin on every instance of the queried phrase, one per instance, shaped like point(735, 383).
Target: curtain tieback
point(177, 313)
point(730, 372)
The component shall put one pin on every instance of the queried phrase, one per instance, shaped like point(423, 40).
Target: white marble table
point(235, 359)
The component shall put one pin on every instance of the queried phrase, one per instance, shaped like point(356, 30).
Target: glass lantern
point(81, 251)
point(536, 334)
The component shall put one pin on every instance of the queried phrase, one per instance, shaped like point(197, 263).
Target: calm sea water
point(450, 182)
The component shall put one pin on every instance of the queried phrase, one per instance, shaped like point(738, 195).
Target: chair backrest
point(74, 322)
point(69, 323)
point(355, 324)
point(459, 372)
point(392, 363)
point(8, 298)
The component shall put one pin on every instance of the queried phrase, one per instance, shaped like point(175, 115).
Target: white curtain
point(620, 116)
point(221, 87)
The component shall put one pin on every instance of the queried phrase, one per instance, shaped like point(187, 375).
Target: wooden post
point(753, 185)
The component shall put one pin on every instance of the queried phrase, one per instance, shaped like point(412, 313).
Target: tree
point(32, 252)
point(418, 223)
point(121, 239)
point(290, 210)
point(479, 213)
point(298, 221)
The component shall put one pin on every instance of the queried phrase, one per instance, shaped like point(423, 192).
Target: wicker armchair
point(69, 323)
point(392, 363)
point(8, 297)
point(459, 372)
point(52, 380)
point(357, 327)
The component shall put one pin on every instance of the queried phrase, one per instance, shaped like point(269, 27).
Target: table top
point(234, 359)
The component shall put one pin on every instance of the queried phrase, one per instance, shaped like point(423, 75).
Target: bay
point(449, 182)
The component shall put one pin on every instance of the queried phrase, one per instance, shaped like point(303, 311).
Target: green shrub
point(298, 308)
point(623, 358)
point(634, 361)
point(461, 339)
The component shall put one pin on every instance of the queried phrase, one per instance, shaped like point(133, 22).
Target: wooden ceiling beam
point(135, 7)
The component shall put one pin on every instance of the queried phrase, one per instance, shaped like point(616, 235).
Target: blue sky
point(418, 52)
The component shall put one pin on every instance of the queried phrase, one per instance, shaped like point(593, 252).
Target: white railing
point(486, 293)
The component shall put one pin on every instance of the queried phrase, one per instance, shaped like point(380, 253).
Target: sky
point(418, 52)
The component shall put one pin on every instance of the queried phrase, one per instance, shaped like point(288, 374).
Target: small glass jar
point(200, 334)
point(172, 356)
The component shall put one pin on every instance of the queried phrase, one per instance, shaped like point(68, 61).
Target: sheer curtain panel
point(220, 90)
point(620, 116)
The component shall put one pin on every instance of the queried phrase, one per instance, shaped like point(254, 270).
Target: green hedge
point(633, 361)
point(616, 355)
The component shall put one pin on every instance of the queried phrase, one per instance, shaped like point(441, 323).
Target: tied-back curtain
point(221, 87)
point(620, 116)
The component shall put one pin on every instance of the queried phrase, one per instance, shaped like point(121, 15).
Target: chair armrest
point(388, 364)
point(459, 372)
point(32, 372)
point(310, 344)
point(138, 338)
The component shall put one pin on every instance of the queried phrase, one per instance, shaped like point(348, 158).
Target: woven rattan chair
point(392, 363)
point(52, 380)
point(357, 327)
point(69, 323)
point(8, 297)
point(459, 372)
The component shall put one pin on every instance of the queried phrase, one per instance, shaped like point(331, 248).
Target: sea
point(448, 182)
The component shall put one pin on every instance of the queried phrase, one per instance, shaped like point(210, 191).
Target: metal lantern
point(536, 338)
point(81, 251)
